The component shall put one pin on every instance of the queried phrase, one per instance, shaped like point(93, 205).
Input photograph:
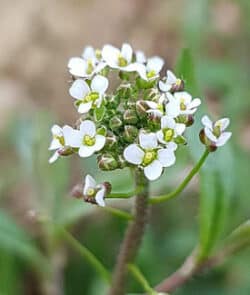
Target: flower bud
point(107, 162)
point(65, 151)
point(102, 130)
point(130, 117)
point(178, 86)
point(142, 107)
point(130, 133)
point(108, 187)
point(111, 140)
point(121, 162)
point(180, 140)
point(77, 191)
point(211, 146)
point(154, 118)
point(115, 123)
point(188, 120)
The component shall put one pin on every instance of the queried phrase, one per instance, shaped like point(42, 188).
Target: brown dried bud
point(77, 191)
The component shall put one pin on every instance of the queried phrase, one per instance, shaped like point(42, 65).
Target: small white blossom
point(156, 108)
point(87, 65)
point(181, 103)
point(149, 156)
point(169, 130)
point(87, 140)
point(60, 140)
point(171, 80)
point(86, 96)
point(215, 131)
point(95, 191)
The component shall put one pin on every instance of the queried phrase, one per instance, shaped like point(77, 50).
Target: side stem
point(133, 236)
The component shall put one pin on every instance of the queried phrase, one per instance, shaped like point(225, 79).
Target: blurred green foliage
point(28, 251)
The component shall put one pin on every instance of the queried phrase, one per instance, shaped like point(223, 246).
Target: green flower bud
point(115, 123)
point(107, 162)
point(130, 117)
point(111, 140)
point(141, 108)
point(108, 187)
point(65, 151)
point(188, 120)
point(102, 130)
point(121, 162)
point(180, 140)
point(130, 133)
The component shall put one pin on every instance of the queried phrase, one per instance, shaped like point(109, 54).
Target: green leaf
point(99, 113)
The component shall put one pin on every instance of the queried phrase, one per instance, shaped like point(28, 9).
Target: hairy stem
point(133, 237)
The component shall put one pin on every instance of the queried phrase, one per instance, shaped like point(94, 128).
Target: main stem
point(133, 236)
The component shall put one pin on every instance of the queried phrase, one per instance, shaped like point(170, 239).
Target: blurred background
point(38, 38)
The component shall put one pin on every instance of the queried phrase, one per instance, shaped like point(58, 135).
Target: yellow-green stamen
point(183, 107)
point(88, 140)
point(90, 192)
point(90, 67)
point(149, 157)
point(60, 139)
point(168, 134)
point(178, 82)
point(122, 62)
point(151, 74)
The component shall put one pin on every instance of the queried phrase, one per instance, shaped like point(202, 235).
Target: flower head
point(93, 192)
point(169, 130)
point(149, 156)
point(214, 132)
point(87, 139)
point(86, 96)
point(172, 83)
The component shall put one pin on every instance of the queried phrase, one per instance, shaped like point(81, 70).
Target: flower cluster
point(140, 122)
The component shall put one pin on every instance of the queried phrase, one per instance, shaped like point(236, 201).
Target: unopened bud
point(180, 140)
point(77, 191)
point(178, 86)
point(210, 145)
point(108, 187)
point(111, 140)
point(142, 107)
point(102, 130)
point(121, 162)
point(107, 162)
point(115, 123)
point(130, 133)
point(154, 118)
point(130, 117)
point(188, 120)
point(65, 151)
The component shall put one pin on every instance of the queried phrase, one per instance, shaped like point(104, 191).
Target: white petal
point(137, 67)
point(54, 157)
point(223, 123)
point(179, 128)
point(88, 53)
point(140, 57)
point(160, 136)
point(110, 55)
point(88, 127)
point(127, 52)
point(83, 108)
point(99, 84)
point(79, 89)
point(167, 122)
point(56, 130)
point(164, 87)
point(183, 96)
point(207, 122)
point(171, 78)
point(89, 183)
point(153, 170)
point(172, 107)
point(155, 64)
point(133, 154)
point(72, 137)
point(172, 146)
point(55, 144)
point(99, 197)
point(194, 103)
point(100, 67)
point(223, 138)
point(152, 104)
point(77, 67)
point(100, 142)
point(209, 134)
point(157, 113)
point(148, 140)
point(86, 151)
point(166, 157)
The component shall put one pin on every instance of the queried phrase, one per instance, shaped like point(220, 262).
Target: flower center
point(91, 192)
point(168, 134)
point(90, 67)
point(151, 74)
point(217, 130)
point(88, 140)
point(60, 139)
point(183, 107)
point(98, 54)
point(92, 96)
point(149, 157)
point(122, 62)
point(160, 107)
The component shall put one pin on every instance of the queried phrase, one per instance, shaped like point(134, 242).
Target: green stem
point(85, 253)
point(135, 271)
point(119, 213)
point(124, 195)
point(180, 188)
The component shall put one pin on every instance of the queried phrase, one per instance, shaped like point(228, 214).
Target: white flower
point(121, 59)
point(86, 96)
point(215, 131)
point(87, 140)
point(61, 138)
point(169, 130)
point(148, 156)
point(93, 190)
point(86, 66)
point(171, 80)
point(181, 103)
point(156, 108)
